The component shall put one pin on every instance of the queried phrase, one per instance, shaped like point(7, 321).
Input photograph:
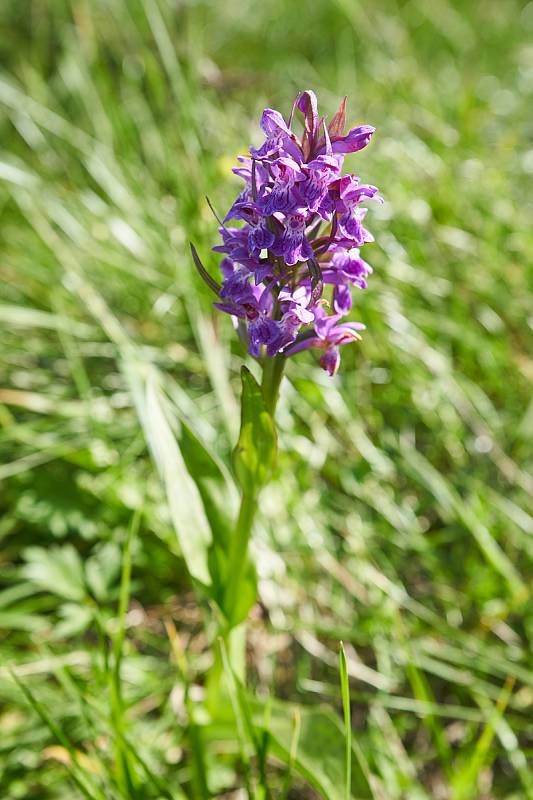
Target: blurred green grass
point(401, 520)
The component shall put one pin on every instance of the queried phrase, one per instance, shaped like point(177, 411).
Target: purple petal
point(303, 344)
point(273, 123)
point(354, 326)
point(330, 360)
point(324, 326)
point(342, 300)
point(355, 140)
point(231, 308)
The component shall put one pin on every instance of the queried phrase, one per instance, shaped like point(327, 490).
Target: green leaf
point(246, 596)
point(219, 499)
point(255, 453)
point(183, 496)
point(345, 693)
point(243, 725)
point(214, 483)
point(57, 570)
point(211, 282)
point(102, 570)
point(20, 621)
point(74, 619)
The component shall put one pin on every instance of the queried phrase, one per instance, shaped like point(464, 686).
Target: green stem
point(270, 385)
point(238, 552)
point(239, 549)
point(272, 375)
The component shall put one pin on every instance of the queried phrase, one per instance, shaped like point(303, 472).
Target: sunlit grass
point(401, 520)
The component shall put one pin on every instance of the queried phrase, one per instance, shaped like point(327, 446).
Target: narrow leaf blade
point(183, 496)
point(206, 277)
point(345, 693)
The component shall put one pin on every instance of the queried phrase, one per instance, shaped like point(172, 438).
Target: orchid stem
point(270, 385)
point(233, 636)
point(239, 550)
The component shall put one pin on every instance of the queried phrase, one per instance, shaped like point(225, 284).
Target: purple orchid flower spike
point(290, 246)
point(298, 233)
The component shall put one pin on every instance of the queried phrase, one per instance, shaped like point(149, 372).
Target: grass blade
point(345, 693)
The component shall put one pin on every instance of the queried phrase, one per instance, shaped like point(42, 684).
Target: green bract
point(255, 453)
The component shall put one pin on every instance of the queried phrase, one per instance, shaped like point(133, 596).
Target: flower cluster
point(299, 230)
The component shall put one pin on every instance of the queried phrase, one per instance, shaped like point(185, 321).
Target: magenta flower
point(319, 174)
point(347, 198)
point(286, 173)
point(268, 332)
point(279, 136)
point(328, 335)
point(301, 227)
point(342, 299)
point(355, 140)
point(345, 267)
point(292, 245)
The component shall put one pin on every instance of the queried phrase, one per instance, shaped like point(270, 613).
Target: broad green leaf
point(218, 495)
point(183, 496)
point(255, 453)
point(243, 729)
point(20, 621)
point(219, 499)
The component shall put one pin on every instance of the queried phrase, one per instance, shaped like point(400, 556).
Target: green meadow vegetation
point(399, 517)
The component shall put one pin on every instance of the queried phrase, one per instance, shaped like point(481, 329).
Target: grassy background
point(400, 521)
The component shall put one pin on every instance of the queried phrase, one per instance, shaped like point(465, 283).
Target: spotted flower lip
point(286, 173)
point(292, 244)
point(292, 252)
